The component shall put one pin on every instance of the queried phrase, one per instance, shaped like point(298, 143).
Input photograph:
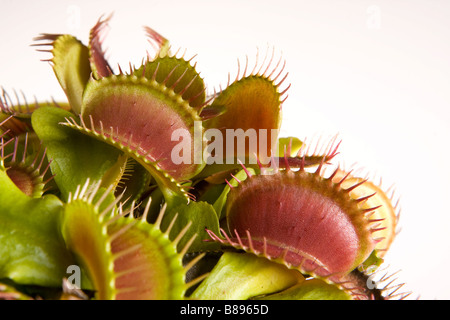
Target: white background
point(375, 72)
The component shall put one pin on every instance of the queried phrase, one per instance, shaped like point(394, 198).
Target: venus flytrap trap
point(156, 189)
point(125, 257)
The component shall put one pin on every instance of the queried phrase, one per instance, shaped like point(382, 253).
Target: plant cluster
point(105, 196)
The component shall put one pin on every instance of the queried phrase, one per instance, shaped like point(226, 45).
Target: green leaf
point(293, 143)
point(203, 216)
point(242, 276)
point(31, 248)
point(75, 156)
point(311, 289)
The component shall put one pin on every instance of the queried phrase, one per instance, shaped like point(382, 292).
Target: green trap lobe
point(252, 103)
point(178, 74)
point(72, 68)
point(138, 115)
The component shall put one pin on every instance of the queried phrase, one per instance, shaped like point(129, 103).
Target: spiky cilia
point(91, 184)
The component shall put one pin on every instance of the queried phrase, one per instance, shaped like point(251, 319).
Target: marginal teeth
point(112, 147)
point(262, 210)
point(114, 248)
point(377, 205)
point(26, 167)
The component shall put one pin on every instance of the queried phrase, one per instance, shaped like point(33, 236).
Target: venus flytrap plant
point(142, 179)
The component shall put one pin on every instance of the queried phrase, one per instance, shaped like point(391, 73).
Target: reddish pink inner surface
point(150, 121)
point(140, 275)
point(298, 218)
point(22, 180)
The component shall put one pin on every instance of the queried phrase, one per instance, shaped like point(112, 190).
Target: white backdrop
point(375, 72)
